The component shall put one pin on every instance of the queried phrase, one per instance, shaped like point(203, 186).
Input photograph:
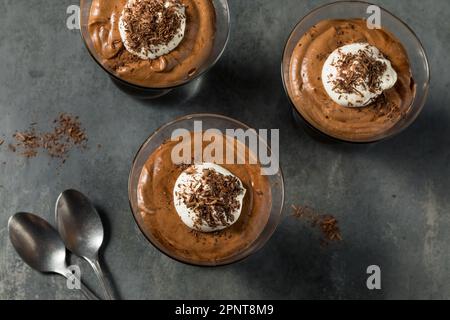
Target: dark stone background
point(390, 198)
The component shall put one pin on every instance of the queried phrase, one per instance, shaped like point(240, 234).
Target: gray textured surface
point(45, 70)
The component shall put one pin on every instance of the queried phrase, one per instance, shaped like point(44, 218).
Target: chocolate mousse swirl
point(104, 30)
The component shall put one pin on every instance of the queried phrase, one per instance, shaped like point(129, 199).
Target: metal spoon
point(81, 229)
point(40, 246)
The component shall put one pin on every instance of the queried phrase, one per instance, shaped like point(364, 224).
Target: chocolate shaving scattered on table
point(213, 198)
point(358, 70)
point(151, 23)
point(327, 224)
point(66, 134)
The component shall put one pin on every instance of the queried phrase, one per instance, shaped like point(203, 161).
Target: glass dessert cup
point(358, 10)
point(220, 41)
point(209, 121)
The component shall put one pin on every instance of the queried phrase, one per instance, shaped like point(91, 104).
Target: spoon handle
point(88, 293)
point(83, 288)
point(101, 276)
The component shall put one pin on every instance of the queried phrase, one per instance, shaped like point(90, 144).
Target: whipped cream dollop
point(152, 28)
point(355, 75)
point(208, 198)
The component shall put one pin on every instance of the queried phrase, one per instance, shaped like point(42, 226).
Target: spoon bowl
point(39, 245)
point(81, 229)
point(79, 224)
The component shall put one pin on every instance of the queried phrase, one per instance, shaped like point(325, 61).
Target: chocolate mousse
point(202, 213)
point(351, 82)
point(153, 43)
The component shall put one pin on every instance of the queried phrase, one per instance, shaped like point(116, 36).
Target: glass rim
point(140, 87)
point(425, 61)
point(205, 265)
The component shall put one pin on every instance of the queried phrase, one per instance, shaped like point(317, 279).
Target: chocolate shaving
point(321, 56)
point(66, 134)
point(151, 23)
point(184, 166)
point(213, 198)
point(124, 58)
point(327, 224)
point(358, 70)
point(385, 108)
